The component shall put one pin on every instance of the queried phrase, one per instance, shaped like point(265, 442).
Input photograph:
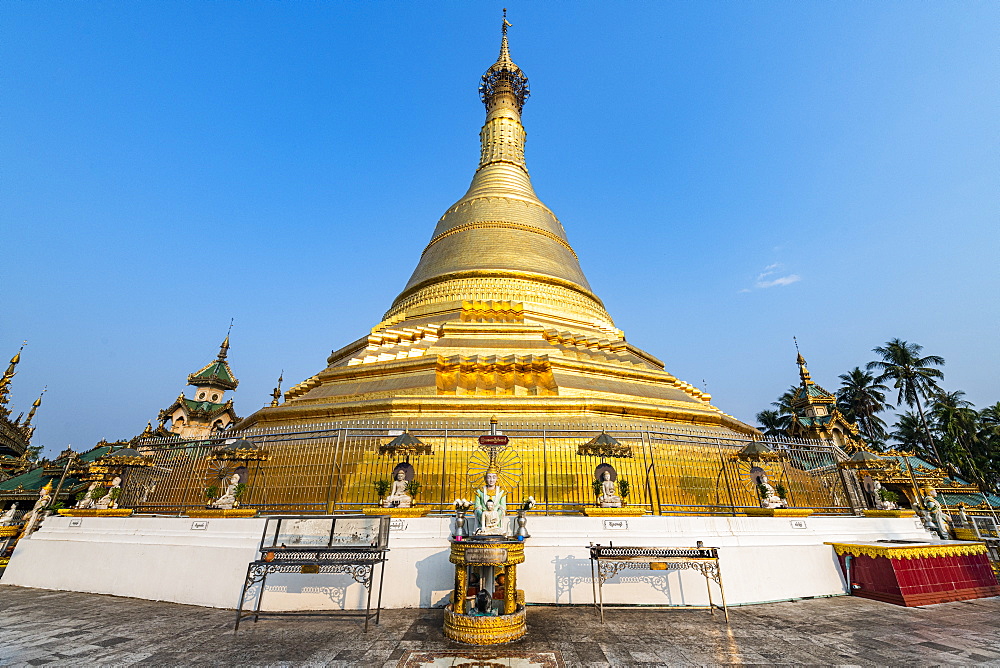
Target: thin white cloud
point(784, 280)
point(769, 278)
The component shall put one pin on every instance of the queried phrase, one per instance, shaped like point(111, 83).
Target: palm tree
point(909, 433)
point(773, 423)
point(989, 442)
point(784, 402)
point(861, 399)
point(912, 375)
point(958, 426)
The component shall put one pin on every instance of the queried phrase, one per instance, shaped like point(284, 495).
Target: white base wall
point(167, 559)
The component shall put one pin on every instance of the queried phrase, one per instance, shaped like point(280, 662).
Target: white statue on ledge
point(106, 501)
point(228, 500)
point(87, 501)
point(398, 498)
point(8, 517)
point(608, 498)
point(770, 498)
point(880, 503)
point(491, 522)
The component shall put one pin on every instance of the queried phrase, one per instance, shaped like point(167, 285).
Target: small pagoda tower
point(208, 411)
point(817, 416)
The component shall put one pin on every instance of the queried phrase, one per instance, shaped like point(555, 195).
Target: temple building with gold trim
point(206, 412)
point(15, 435)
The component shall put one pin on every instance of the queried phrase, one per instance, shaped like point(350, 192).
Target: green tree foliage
point(773, 423)
point(860, 398)
point(912, 375)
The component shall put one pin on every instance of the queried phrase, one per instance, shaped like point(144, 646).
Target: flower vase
point(459, 525)
point(521, 532)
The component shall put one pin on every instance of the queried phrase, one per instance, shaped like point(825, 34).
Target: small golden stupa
point(497, 318)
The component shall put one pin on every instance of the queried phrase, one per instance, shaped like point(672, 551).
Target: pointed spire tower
point(497, 317)
point(499, 242)
point(208, 411)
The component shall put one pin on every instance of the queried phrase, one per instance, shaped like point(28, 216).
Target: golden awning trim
point(864, 460)
point(908, 552)
point(604, 445)
point(756, 451)
point(240, 451)
point(405, 444)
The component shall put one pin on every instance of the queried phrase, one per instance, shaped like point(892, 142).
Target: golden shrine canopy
point(497, 318)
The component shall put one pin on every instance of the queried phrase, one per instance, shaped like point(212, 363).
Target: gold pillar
point(461, 589)
point(510, 589)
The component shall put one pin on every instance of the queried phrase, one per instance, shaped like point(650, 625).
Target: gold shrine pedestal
point(489, 558)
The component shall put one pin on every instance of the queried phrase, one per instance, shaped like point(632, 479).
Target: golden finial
point(801, 361)
point(276, 394)
point(224, 348)
point(34, 406)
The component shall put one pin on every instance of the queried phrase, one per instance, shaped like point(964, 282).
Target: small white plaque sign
point(75, 523)
point(616, 525)
point(397, 524)
point(200, 525)
point(798, 524)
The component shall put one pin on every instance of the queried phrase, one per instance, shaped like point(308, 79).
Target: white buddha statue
point(490, 492)
point(228, 499)
point(491, 521)
point(608, 498)
point(87, 501)
point(398, 498)
point(880, 503)
point(106, 501)
point(771, 498)
point(8, 517)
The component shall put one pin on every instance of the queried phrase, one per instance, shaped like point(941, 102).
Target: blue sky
point(730, 174)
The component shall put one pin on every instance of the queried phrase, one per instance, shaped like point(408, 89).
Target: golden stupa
point(497, 318)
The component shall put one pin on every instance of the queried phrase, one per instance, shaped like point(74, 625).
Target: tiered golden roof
point(497, 317)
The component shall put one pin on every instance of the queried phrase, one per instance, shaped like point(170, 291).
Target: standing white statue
point(108, 500)
point(398, 498)
point(39, 510)
point(490, 492)
point(8, 517)
point(770, 498)
point(608, 498)
point(228, 500)
point(939, 520)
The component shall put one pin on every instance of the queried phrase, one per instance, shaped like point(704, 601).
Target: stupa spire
point(499, 241)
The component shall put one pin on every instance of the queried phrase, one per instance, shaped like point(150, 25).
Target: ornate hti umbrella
point(241, 450)
point(406, 446)
point(605, 446)
point(757, 451)
point(864, 460)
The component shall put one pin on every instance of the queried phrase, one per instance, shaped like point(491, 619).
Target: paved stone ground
point(40, 627)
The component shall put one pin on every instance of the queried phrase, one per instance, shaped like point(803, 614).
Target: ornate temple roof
point(216, 373)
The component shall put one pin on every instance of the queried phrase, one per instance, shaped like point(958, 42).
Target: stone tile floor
point(41, 627)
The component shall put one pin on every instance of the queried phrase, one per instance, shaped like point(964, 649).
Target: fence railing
point(333, 468)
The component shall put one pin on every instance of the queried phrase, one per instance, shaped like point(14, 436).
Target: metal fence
point(332, 468)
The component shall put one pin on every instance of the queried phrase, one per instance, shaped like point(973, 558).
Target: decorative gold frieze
point(513, 375)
